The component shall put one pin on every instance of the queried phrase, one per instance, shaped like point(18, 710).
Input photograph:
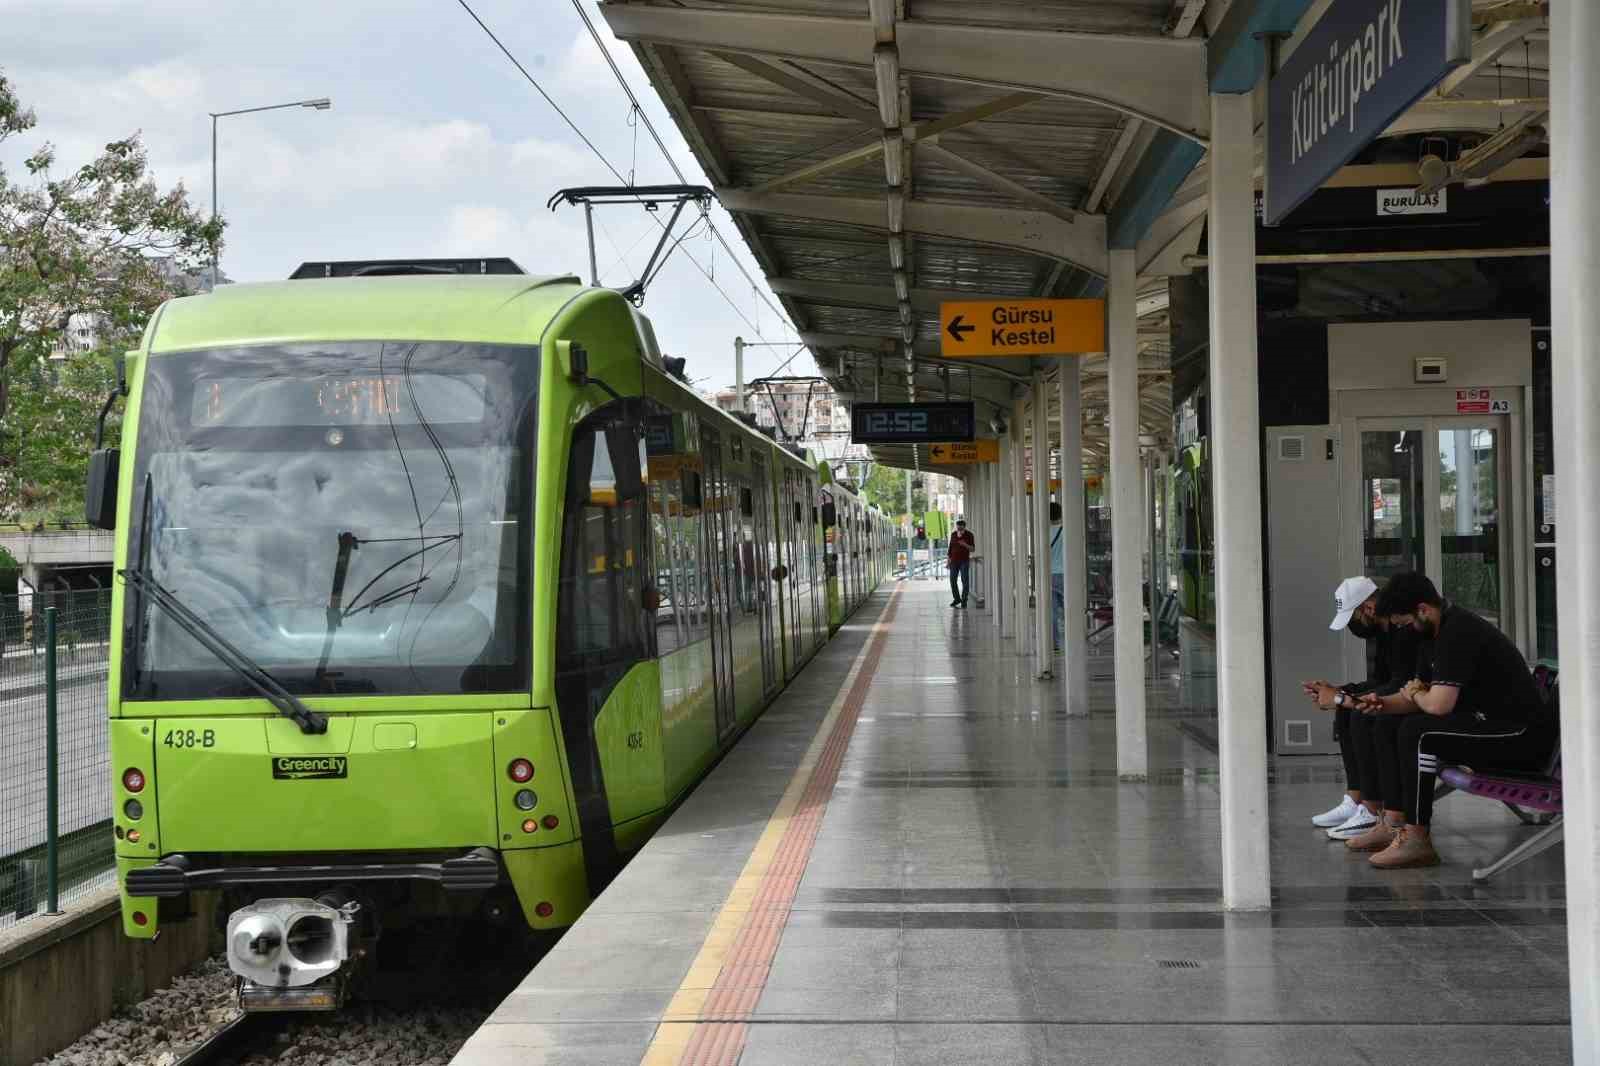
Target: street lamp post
point(320, 104)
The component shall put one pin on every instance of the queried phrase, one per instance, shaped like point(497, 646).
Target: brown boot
point(1377, 838)
point(1411, 847)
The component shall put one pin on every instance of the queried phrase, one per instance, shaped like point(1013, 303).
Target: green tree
point(886, 487)
point(103, 241)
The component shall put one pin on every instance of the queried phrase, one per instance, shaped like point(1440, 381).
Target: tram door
point(765, 587)
point(793, 554)
point(721, 541)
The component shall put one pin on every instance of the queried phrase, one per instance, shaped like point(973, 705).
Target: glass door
point(1470, 524)
point(1393, 517)
point(1434, 495)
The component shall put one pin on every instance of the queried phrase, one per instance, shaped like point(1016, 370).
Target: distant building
point(809, 413)
point(86, 330)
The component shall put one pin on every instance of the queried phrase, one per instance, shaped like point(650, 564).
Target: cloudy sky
point(435, 145)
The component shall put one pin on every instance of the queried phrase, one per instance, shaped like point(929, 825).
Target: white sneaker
point(1357, 824)
point(1339, 815)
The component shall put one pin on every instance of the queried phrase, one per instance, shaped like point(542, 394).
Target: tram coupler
point(290, 954)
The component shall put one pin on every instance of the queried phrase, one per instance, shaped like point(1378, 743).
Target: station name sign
point(1021, 327)
point(1359, 67)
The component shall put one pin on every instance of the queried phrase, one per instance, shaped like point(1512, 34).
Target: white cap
point(1351, 593)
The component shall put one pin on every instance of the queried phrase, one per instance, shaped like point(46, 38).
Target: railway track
point(245, 1034)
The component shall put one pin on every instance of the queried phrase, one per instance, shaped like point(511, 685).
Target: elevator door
point(1438, 494)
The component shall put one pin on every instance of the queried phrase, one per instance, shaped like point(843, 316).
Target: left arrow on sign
point(958, 328)
point(936, 451)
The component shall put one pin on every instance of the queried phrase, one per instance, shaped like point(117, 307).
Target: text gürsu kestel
point(1042, 321)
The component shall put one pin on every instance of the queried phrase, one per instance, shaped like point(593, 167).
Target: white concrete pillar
point(1043, 597)
point(1127, 515)
point(976, 520)
point(1004, 563)
point(1236, 507)
point(1019, 530)
point(1149, 487)
point(1575, 374)
point(1075, 576)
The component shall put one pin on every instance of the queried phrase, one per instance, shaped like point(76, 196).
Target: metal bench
point(1520, 790)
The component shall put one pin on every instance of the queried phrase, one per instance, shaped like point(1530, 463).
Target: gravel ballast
point(159, 1030)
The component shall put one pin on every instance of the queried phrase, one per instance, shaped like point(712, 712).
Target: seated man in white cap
point(1355, 605)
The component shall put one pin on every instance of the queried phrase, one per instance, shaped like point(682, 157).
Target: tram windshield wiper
point(206, 636)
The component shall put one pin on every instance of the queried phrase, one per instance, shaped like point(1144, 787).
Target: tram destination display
point(912, 423)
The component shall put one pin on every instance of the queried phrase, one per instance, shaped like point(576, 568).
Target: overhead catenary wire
point(531, 80)
point(655, 135)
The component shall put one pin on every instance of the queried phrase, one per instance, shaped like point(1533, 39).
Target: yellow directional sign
point(1022, 327)
point(972, 451)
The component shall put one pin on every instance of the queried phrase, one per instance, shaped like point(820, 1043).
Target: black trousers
point(1428, 740)
point(1347, 746)
point(1377, 747)
point(959, 594)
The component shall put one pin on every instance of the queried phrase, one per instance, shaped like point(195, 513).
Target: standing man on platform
point(962, 544)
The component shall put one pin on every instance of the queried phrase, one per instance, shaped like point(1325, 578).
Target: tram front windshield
point(356, 517)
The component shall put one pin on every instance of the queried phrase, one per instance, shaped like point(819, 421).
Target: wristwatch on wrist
point(1338, 699)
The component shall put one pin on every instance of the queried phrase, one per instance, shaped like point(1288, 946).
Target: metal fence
point(55, 786)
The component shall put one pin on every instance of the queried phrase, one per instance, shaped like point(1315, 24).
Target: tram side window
point(601, 613)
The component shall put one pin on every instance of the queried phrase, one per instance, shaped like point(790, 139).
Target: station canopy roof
point(882, 156)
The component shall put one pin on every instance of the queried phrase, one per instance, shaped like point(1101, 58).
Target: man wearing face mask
point(1481, 707)
point(1390, 666)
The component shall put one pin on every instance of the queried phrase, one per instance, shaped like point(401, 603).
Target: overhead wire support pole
point(594, 266)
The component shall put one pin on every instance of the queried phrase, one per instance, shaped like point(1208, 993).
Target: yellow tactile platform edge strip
point(682, 1016)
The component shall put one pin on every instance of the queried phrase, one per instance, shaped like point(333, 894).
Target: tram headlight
point(133, 779)
point(520, 770)
point(526, 799)
point(134, 810)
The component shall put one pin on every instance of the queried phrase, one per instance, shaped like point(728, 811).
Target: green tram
point(437, 591)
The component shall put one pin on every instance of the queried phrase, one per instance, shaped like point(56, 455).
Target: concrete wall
point(62, 976)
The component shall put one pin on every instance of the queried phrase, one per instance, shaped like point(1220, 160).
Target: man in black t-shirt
point(1480, 707)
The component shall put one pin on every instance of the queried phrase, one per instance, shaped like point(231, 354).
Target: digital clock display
point(912, 423)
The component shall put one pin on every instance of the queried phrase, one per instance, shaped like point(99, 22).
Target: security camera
point(998, 425)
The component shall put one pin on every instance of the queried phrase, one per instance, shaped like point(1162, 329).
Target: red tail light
point(133, 779)
point(551, 821)
point(520, 770)
point(544, 910)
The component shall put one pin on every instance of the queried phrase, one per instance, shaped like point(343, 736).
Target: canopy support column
point(1044, 600)
point(1236, 463)
point(1075, 563)
point(1575, 373)
point(1127, 522)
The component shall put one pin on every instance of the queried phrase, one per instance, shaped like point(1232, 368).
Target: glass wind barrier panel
point(1469, 519)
